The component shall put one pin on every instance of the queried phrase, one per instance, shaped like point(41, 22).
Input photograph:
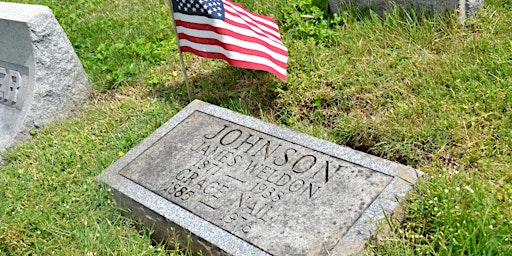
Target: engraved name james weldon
point(255, 185)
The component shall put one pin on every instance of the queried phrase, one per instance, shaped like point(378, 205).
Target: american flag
point(225, 30)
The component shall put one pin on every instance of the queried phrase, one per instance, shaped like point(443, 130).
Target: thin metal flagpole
point(183, 69)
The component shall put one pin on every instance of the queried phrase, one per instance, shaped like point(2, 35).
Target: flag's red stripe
point(254, 22)
point(246, 26)
point(200, 26)
point(232, 62)
point(223, 31)
point(247, 12)
point(232, 47)
point(250, 25)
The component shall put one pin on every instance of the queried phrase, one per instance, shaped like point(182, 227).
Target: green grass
point(427, 92)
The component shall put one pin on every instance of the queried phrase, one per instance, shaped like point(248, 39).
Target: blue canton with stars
point(209, 8)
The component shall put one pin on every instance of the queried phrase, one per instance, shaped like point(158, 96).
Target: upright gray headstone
point(239, 186)
point(466, 8)
point(41, 78)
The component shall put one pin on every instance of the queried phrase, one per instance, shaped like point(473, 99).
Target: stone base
point(41, 78)
point(234, 185)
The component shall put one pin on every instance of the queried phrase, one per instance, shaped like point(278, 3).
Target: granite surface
point(240, 186)
point(41, 78)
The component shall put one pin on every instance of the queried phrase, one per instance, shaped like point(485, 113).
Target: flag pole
point(183, 69)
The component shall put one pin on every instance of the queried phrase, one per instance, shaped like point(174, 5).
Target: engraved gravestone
point(41, 78)
point(466, 8)
point(240, 186)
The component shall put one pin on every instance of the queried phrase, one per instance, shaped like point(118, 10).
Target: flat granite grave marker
point(241, 186)
point(41, 78)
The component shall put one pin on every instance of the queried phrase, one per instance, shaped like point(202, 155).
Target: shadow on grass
point(245, 91)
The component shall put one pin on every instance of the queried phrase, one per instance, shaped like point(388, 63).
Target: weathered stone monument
point(41, 78)
point(466, 8)
point(235, 185)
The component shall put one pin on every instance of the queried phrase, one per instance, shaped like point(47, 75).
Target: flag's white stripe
point(222, 24)
point(245, 18)
point(233, 55)
point(232, 40)
point(251, 15)
point(258, 28)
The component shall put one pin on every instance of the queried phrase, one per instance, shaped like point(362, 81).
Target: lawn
point(430, 93)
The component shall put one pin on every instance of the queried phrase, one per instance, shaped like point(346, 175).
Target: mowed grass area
point(430, 93)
